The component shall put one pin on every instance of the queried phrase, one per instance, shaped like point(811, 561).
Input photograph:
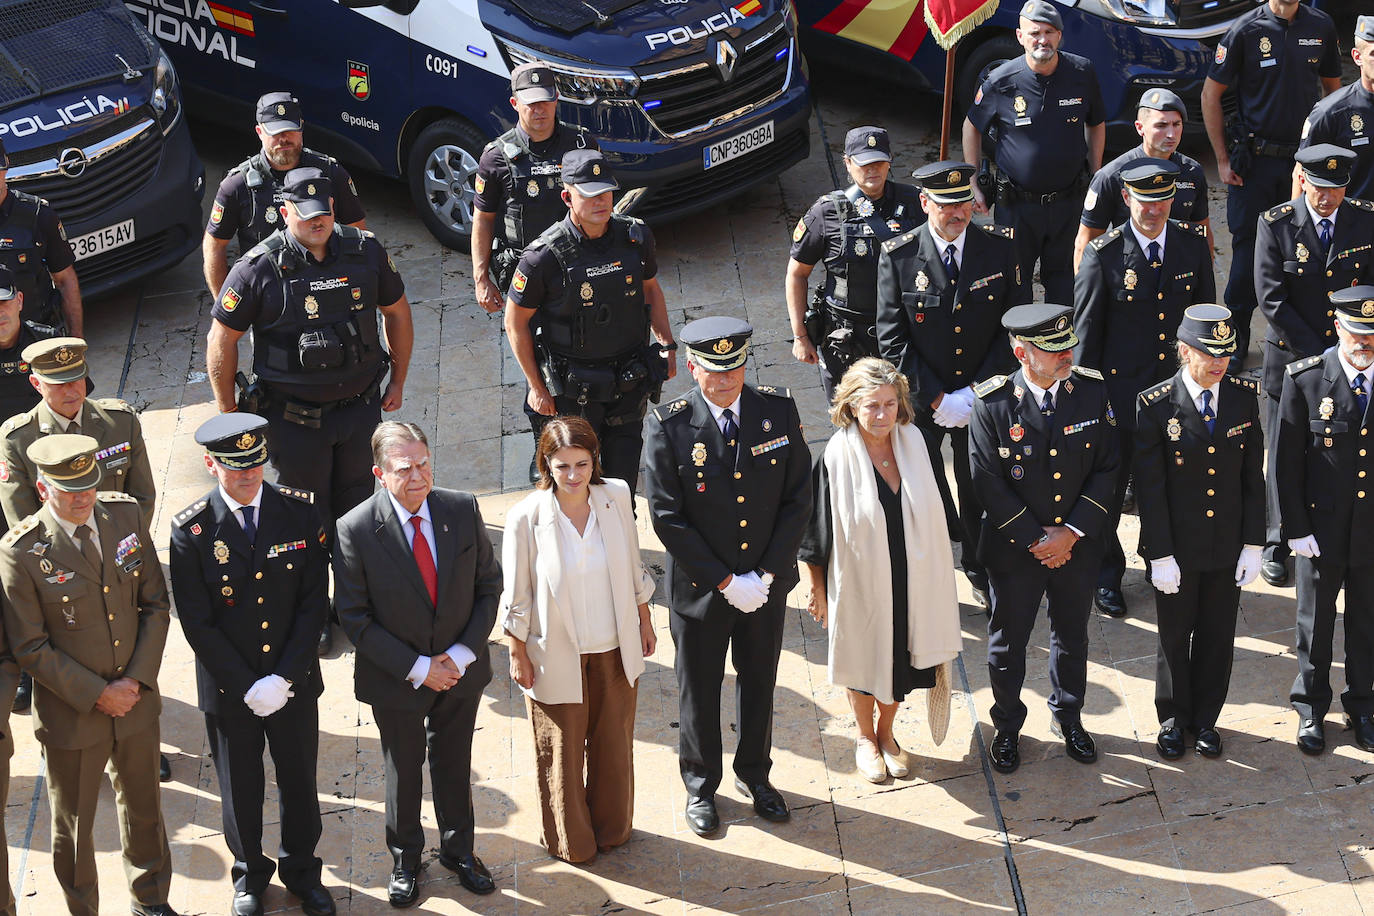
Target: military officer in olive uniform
point(1129, 297)
point(86, 612)
point(251, 574)
point(248, 202)
point(728, 483)
point(34, 245)
point(1323, 470)
point(591, 280)
point(844, 230)
point(9, 683)
point(17, 394)
point(1305, 250)
point(1345, 118)
point(942, 290)
point(1043, 448)
point(1200, 482)
point(518, 183)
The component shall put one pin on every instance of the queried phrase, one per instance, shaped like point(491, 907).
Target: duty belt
point(1011, 190)
point(1262, 147)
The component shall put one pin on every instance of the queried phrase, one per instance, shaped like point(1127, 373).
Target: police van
point(91, 118)
point(693, 100)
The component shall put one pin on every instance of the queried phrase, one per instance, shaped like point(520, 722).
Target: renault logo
point(72, 162)
point(725, 59)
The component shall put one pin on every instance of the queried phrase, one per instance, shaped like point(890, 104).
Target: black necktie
point(1361, 394)
point(249, 527)
point(951, 265)
point(1325, 234)
point(1154, 255)
point(1047, 406)
point(1209, 417)
point(731, 430)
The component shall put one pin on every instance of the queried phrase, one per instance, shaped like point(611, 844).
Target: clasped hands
point(118, 697)
point(1055, 548)
point(747, 591)
point(443, 673)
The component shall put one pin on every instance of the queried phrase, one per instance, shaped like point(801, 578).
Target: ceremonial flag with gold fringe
point(951, 20)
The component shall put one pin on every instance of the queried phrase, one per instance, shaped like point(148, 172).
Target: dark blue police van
point(91, 117)
point(693, 100)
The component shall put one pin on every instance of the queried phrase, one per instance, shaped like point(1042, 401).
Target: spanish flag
point(231, 19)
point(748, 7)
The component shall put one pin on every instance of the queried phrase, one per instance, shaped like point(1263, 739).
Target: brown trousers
point(578, 817)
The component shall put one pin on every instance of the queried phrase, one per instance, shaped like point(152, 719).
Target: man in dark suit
point(416, 586)
point(1299, 263)
point(250, 574)
point(1043, 448)
point(1324, 487)
point(1131, 290)
point(942, 290)
point(728, 487)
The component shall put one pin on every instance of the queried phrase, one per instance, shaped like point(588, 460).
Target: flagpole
point(948, 112)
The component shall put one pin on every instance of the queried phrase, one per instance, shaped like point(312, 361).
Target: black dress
point(815, 549)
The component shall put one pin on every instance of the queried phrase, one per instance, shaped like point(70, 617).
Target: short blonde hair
point(863, 378)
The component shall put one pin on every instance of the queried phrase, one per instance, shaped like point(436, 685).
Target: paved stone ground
point(1264, 830)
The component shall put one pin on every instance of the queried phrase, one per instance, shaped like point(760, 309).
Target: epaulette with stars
point(1195, 228)
point(190, 512)
point(1278, 212)
point(118, 404)
point(988, 385)
point(774, 390)
point(1360, 203)
point(1088, 373)
point(1303, 365)
point(1150, 395)
point(1105, 239)
point(1248, 384)
point(897, 241)
point(670, 410)
point(114, 496)
point(18, 531)
point(1005, 232)
point(305, 496)
point(16, 422)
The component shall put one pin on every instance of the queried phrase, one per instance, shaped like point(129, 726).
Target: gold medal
point(1019, 103)
point(699, 454)
point(1017, 432)
point(1174, 429)
point(1130, 279)
point(1301, 253)
point(586, 291)
point(221, 551)
point(312, 307)
point(1326, 408)
point(922, 281)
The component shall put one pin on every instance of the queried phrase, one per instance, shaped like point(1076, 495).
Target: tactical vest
point(16, 394)
point(534, 199)
point(19, 250)
point(602, 314)
point(851, 277)
point(324, 346)
point(264, 193)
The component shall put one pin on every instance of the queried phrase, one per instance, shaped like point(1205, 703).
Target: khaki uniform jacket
point(76, 628)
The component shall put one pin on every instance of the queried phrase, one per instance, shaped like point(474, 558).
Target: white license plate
point(738, 145)
point(93, 243)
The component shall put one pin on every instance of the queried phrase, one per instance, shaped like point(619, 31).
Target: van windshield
point(48, 46)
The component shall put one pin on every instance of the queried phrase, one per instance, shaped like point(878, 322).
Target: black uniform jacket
point(251, 611)
point(718, 517)
point(1201, 494)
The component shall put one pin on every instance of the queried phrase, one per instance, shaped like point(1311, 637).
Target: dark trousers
point(334, 461)
point(1046, 232)
point(755, 642)
point(966, 520)
point(1017, 588)
point(1113, 554)
point(1275, 546)
point(1197, 632)
point(445, 730)
point(236, 745)
point(1268, 182)
point(1319, 582)
point(619, 426)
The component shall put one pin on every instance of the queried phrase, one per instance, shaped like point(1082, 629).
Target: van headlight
point(166, 99)
point(1139, 12)
point(578, 84)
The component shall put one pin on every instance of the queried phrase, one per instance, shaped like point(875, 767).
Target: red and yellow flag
point(232, 19)
point(951, 20)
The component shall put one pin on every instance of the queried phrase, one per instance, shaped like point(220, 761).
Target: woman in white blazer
point(576, 609)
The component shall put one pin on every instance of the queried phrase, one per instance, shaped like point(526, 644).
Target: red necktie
point(425, 561)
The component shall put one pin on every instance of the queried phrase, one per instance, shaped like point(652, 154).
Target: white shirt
point(70, 528)
point(238, 507)
point(942, 244)
point(589, 584)
point(1317, 218)
point(1144, 241)
point(717, 412)
point(1039, 394)
point(1195, 392)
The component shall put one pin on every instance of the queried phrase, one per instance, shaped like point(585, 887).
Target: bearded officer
point(1345, 118)
point(249, 198)
point(1130, 294)
point(519, 189)
point(86, 611)
point(942, 291)
point(251, 574)
point(1044, 452)
point(728, 485)
point(844, 230)
point(36, 249)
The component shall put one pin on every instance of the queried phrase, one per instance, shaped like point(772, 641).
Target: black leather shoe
point(1311, 736)
point(23, 697)
point(403, 887)
point(1005, 752)
point(978, 581)
point(1077, 741)
point(534, 470)
point(701, 815)
point(1364, 731)
point(1275, 572)
point(1208, 742)
point(1110, 601)
point(316, 901)
point(152, 909)
point(1170, 743)
point(326, 643)
point(768, 801)
point(245, 904)
point(472, 874)
point(164, 768)
point(1128, 500)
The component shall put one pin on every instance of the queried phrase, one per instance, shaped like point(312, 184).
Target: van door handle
point(266, 10)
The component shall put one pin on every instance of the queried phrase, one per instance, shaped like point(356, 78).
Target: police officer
point(1323, 480)
point(844, 229)
point(1129, 296)
point(1199, 475)
point(591, 279)
point(1159, 121)
point(728, 484)
point(1346, 117)
point(1278, 59)
point(249, 199)
point(250, 574)
point(36, 249)
point(311, 292)
point(86, 612)
point(1299, 263)
point(942, 290)
point(519, 192)
point(1044, 457)
point(1045, 110)
point(16, 393)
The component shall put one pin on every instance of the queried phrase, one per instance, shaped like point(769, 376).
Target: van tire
point(981, 61)
point(441, 169)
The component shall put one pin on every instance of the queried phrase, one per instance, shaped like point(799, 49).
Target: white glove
point(941, 413)
point(1165, 575)
point(1248, 567)
point(746, 592)
point(1305, 547)
point(956, 407)
point(268, 694)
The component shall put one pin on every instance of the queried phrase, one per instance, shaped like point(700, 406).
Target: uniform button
point(739, 499)
point(744, 523)
point(1058, 498)
point(744, 545)
point(116, 642)
point(958, 371)
point(289, 566)
point(957, 329)
point(701, 474)
point(1057, 475)
point(1211, 492)
point(1211, 449)
point(1113, 371)
point(1162, 337)
point(958, 306)
point(260, 600)
point(264, 624)
point(958, 352)
point(257, 575)
point(1058, 520)
point(224, 578)
point(65, 599)
point(1210, 513)
point(119, 668)
point(1364, 432)
point(738, 475)
point(111, 616)
point(1362, 473)
point(1362, 453)
point(1160, 296)
point(1161, 356)
point(1161, 316)
point(266, 647)
point(1328, 273)
point(772, 461)
point(1330, 313)
point(107, 589)
point(1212, 472)
point(1359, 494)
point(1053, 452)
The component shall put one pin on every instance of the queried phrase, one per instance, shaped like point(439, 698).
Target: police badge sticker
point(1301, 253)
point(221, 551)
point(699, 454)
point(270, 214)
point(312, 307)
point(532, 189)
point(1130, 279)
point(1174, 429)
point(1356, 124)
point(1326, 408)
point(865, 207)
point(922, 281)
point(586, 291)
point(860, 247)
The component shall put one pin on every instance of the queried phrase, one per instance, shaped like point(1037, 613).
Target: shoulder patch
point(190, 512)
point(989, 385)
point(1005, 232)
point(774, 391)
point(1105, 239)
point(1088, 373)
point(1248, 384)
point(18, 531)
point(1150, 395)
point(305, 496)
point(1360, 203)
point(1278, 212)
point(670, 410)
point(897, 241)
point(115, 404)
point(1303, 365)
point(18, 421)
point(114, 496)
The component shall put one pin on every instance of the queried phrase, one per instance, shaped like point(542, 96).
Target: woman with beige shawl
point(877, 557)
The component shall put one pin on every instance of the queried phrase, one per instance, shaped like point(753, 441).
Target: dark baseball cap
point(309, 191)
point(588, 171)
point(278, 112)
point(533, 82)
point(1326, 165)
point(1162, 100)
point(867, 144)
point(1042, 11)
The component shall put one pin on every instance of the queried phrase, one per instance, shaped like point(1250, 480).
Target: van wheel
point(441, 169)
point(985, 58)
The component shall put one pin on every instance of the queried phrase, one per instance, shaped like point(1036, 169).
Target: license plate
point(101, 240)
point(738, 145)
